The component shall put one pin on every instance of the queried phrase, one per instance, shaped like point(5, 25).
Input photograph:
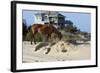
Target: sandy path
point(73, 52)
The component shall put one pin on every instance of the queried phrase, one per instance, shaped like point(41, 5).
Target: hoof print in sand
point(64, 50)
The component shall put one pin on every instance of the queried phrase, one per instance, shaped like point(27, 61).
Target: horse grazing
point(45, 29)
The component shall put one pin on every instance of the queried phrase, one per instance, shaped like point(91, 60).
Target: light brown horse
point(45, 29)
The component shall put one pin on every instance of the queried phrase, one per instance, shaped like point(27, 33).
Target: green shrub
point(29, 37)
point(38, 37)
point(71, 28)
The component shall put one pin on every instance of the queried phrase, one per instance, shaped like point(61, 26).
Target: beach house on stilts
point(50, 17)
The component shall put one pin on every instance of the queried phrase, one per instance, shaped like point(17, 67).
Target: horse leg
point(31, 39)
point(31, 42)
point(34, 39)
point(46, 38)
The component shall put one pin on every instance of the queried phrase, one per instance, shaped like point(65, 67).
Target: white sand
point(72, 52)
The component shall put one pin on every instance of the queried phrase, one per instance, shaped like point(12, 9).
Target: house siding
point(50, 17)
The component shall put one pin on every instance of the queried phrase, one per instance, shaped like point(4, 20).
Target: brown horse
point(45, 29)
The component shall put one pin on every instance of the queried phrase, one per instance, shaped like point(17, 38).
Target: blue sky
point(81, 20)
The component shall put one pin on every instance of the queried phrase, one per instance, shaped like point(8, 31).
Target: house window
point(51, 20)
point(43, 16)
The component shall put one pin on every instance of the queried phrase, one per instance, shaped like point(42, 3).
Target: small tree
point(69, 27)
point(24, 28)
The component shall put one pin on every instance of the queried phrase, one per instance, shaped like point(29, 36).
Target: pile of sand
point(61, 47)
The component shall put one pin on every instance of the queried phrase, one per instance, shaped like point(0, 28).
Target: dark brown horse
point(45, 29)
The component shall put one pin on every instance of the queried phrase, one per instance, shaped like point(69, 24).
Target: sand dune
point(61, 51)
